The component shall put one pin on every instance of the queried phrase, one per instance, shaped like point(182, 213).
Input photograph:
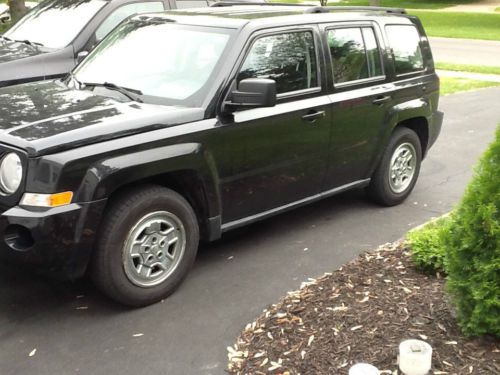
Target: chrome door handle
point(381, 100)
point(313, 116)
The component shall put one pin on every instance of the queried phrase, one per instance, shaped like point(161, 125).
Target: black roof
point(237, 15)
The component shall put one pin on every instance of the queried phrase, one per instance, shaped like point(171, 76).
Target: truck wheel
point(146, 246)
point(397, 173)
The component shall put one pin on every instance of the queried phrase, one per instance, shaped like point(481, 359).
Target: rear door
point(360, 99)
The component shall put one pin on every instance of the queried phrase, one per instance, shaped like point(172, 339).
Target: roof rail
point(320, 9)
point(263, 3)
point(311, 8)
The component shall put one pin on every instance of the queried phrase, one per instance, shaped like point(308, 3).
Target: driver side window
point(288, 58)
point(124, 12)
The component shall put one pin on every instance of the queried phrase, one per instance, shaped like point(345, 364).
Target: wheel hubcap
point(403, 162)
point(154, 248)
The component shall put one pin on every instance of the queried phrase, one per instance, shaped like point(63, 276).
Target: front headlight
point(11, 173)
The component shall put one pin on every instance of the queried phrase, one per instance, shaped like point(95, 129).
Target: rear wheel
point(147, 244)
point(397, 173)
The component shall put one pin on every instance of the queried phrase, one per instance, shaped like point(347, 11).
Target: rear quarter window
point(404, 41)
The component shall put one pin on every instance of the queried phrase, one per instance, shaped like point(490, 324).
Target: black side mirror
point(81, 56)
point(253, 93)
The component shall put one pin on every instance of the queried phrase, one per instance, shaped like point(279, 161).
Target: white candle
point(363, 369)
point(415, 357)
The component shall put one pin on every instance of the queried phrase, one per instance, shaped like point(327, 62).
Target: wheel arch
point(187, 169)
point(187, 183)
point(419, 125)
point(415, 115)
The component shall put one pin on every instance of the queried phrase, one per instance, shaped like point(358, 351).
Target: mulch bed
point(361, 313)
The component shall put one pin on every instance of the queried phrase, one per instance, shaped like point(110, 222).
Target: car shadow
point(22, 291)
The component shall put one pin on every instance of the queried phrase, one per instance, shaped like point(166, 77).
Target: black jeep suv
point(183, 125)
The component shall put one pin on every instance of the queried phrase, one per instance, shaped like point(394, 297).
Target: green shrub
point(472, 242)
point(4, 27)
point(427, 248)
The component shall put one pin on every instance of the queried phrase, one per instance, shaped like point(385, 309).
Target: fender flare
point(416, 108)
point(104, 177)
point(408, 110)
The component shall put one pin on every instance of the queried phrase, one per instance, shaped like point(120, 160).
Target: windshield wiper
point(132, 94)
point(29, 43)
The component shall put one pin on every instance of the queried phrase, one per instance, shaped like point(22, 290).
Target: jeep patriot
point(182, 125)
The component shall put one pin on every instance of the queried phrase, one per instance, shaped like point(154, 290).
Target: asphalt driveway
point(75, 330)
point(466, 51)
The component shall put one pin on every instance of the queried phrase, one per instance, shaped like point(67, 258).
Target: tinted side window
point(289, 59)
point(184, 4)
point(123, 12)
point(372, 52)
point(404, 41)
point(355, 54)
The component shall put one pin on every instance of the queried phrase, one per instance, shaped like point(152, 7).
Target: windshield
point(55, 23)
point(158, 59)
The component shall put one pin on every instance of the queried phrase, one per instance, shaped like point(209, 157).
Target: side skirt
point(263, 215)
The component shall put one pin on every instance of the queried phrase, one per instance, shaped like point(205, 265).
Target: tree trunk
point(17, 9)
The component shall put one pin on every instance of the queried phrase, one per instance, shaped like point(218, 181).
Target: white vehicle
point(4, 12)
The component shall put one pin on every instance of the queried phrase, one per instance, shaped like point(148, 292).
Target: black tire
point(381, 188)
point(110, 270)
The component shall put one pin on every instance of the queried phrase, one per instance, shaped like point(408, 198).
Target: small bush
point(472, 242)
point(427, 248)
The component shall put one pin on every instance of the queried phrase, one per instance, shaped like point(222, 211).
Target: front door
point(283, 148)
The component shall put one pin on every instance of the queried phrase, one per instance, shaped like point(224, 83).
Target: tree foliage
point(467, 246)
point(473, 249)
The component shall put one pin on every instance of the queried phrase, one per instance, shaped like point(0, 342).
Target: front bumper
point(57, 240)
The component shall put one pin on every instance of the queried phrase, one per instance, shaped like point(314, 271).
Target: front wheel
point(397, 173)
point(147, 244)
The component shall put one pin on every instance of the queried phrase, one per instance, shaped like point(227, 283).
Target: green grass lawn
point(451, 85)
point(461, 25)
point(410, 4)
point(444, 24)
point(469, 68)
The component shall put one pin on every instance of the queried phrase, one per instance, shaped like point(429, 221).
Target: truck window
point(404, 41)
point(185, 4)
point(123, 12)
point(288, 58)
point(355, 54)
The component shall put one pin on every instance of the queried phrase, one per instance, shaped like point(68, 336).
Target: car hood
point(11, 50)
point(47, 117)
